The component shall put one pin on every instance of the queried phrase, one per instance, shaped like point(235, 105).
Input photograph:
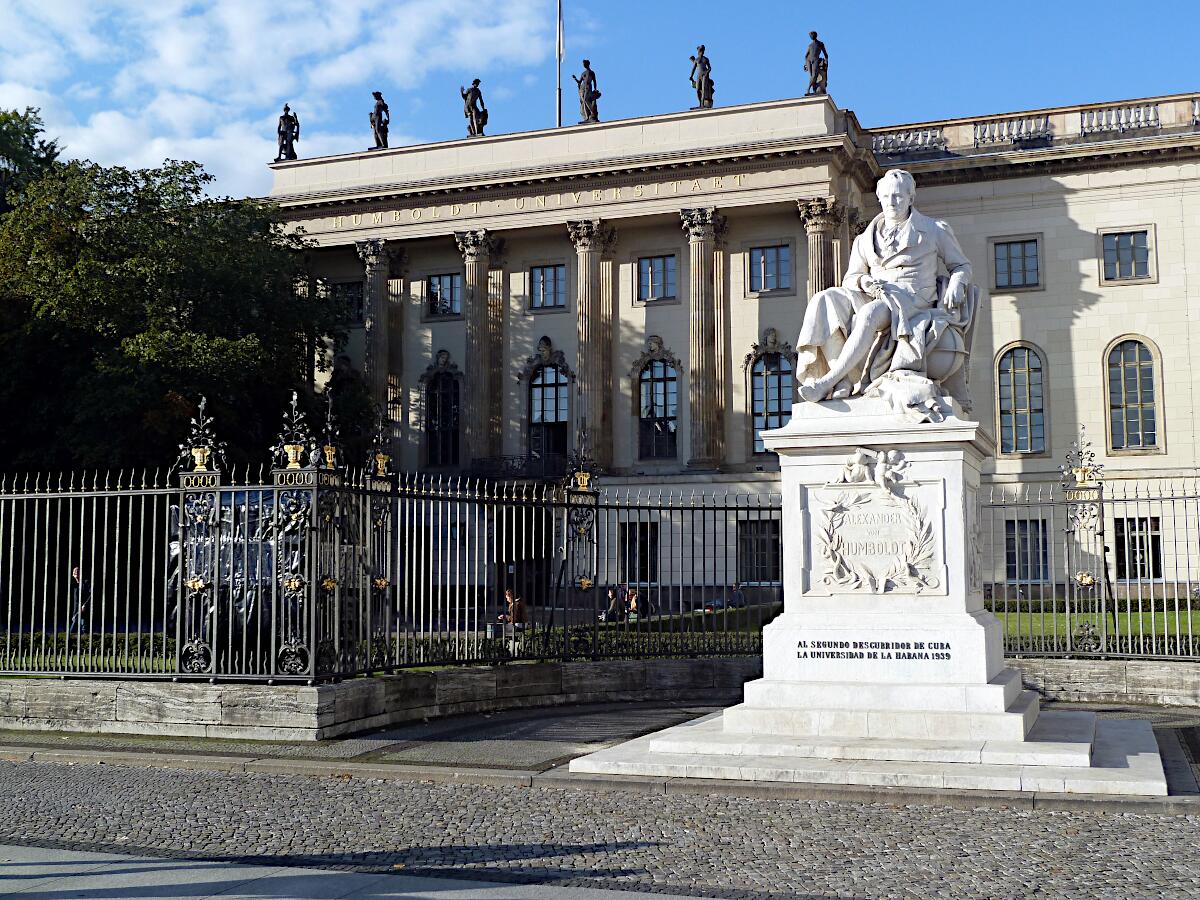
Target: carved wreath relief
point(872, 537)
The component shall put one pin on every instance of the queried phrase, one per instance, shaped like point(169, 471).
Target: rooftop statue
point(701, 78)
point(895, 328)
point(288, 132)
point(380, 119)
point(816, 64)
point(589, 111)
point(474, 109)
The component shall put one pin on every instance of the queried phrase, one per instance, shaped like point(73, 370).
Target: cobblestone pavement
point(701, 845)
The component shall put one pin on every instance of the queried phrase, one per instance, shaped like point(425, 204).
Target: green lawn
point(1036, 624)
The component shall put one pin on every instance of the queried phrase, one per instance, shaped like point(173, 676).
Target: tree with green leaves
point(24, 154)
point(129, 293)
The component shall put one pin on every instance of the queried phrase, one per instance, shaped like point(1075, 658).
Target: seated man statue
point(894, 328)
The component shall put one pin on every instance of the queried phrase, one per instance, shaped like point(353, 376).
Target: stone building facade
point(643, 281)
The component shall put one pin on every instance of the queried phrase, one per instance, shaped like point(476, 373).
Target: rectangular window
point(548, 287)
point(1017, 264)
point(445, 295)
point(637, 559)
point(770, 268)
point(1126, 255)
point(347, 296)
point(1138, 548)
point(656, 278)
point(1026, 551)
point(758, 551)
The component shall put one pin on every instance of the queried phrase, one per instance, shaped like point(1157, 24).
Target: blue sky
point(137, 81)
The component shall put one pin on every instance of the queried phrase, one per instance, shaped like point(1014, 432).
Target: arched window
point(549, 392)
point(658, 386)
point(1132, 418)
point(441, 419)
point(1021, 401)
point(770, 394)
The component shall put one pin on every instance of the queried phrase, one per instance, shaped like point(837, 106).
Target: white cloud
point(134, 82)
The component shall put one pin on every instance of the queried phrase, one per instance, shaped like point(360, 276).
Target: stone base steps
point(1125, 760)
point(995, 696)
point(951, 725)
point(1057, 739)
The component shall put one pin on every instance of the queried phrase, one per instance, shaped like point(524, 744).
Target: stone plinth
point(885, 667)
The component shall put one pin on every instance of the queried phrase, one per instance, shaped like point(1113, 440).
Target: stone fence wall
point(299, 712)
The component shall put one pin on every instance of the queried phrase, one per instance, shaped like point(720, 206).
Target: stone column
point(721, 330)
point(397, 297)
point(497, 304)
point(588, 237)
point(821, 217)
point(702, 330)
point(476, 249)
point(375, 259)
point(601, 437)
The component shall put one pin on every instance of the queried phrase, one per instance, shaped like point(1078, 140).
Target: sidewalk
point(31, 872)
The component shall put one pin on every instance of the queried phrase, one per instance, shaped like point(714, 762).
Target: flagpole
point(558, 52)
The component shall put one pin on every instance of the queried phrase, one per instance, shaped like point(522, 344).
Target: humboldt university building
point(641, 282)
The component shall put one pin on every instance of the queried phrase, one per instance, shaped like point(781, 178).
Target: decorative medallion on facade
point(442, 365)
point(770, 343)
point(546, 355)
point(872, 537)
point(654, 352)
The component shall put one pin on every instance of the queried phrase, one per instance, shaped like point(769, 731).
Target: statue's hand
point(955, 294)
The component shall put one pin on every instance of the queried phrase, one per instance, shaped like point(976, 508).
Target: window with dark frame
point(759, 551)
point(1138, 548)
point(445, 295)
point(770, 268)
point(1021, 401)
point(347, 296)
point(637, 556)
point(549, 394)
point(548, 287)
point(441, 420)
point(1026, 551)
point(770, 395)
point(1126, 255)
point(658, 409)
point(656, 278)
point(1133, 422)
point(1017, 264)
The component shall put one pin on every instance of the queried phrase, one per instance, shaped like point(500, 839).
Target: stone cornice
point(854, 160)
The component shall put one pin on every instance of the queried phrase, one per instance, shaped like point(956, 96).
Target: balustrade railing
point(909, 141)
point(1123, 117)
point(1013, 130)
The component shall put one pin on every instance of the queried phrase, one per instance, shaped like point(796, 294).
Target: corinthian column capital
point(700, 223)
point(373, 252)
point(590, 234)
point(820, 214)
point(475, 245)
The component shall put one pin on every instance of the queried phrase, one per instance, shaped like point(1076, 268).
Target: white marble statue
point(897, 327)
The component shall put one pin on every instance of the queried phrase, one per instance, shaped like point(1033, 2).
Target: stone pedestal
point(885, 667)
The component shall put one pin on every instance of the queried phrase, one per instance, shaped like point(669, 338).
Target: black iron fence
point(313, 573)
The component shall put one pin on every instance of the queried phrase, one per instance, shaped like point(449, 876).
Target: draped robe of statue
point(905, 261)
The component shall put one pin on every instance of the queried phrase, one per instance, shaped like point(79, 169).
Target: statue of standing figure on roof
point(701, 79)
point(380, 119)
point(816, 64)
point(589, 110)
point(288, 132)
point(474, 109)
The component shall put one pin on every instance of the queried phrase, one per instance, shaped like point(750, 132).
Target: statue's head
point(813, 35)
point(378, 95)
point(700, 49)
point(286, 108)
point(475, 83)
point(896, 190)
point(587, 63)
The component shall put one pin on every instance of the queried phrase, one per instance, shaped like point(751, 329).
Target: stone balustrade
point(910, 140)
point(1013, 129)
point(1124, 117)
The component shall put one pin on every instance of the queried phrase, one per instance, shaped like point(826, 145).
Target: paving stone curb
point(561, 779)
